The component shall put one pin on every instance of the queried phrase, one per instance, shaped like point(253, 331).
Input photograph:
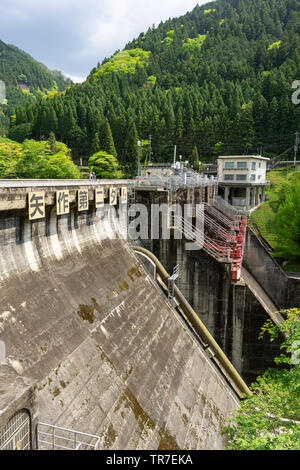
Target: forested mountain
point(218, 78)
point(25, 79)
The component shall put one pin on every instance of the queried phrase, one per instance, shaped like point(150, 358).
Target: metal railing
point(216, 248)
point(227, 235)
point(227, 209)
point(190, 181)
point(221, 217)
point(24, 183)
point(51, 437)
point(177, 181)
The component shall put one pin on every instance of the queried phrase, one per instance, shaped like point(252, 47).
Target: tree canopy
point(288, 219)
point(36, 160)
point(221, 73)
point(26, 79)
point(105, 166)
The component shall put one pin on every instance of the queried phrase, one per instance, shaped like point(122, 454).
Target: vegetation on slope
point(221, 75)
point(278, 219)
point(270, 418)
point(36, 160)
point(193, 45)
point(123, 62)
point(25, 79)
point(105, 166)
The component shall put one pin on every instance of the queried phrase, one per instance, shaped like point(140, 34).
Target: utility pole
point(175, 152)
point(139, 160)
point(296, 148)
point(150, 148)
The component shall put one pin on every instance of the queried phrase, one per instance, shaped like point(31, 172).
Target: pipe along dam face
point(91, 348)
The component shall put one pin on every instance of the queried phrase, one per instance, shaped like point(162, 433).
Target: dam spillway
point(89, 341)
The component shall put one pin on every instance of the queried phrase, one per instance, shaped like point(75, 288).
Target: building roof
point(257, 157)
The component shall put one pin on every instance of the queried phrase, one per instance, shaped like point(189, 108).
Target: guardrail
point(6, 183)
point(58, 438)
point(174, 182)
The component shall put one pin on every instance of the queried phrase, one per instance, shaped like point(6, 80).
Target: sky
point(74, 35)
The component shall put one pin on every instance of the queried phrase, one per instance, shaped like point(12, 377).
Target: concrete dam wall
point(282, 287)
point(231, 312)
point(89, 342)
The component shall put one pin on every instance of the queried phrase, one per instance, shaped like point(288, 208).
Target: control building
point(242, 180)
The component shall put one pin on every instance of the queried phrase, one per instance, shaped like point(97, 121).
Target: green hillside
point(25, 79)
point(268, 221)
point(36, 160)
point(218, 78)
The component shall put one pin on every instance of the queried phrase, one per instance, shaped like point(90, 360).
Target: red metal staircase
point(223, 235)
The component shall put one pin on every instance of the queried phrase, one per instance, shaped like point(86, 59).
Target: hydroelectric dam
point(101, 346)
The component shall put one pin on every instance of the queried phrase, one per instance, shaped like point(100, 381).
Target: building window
point(242, 165)
point(253, 165)
point(229, 165)
point(253, 177)
point(228, 177)
point(241, 177)
point(259, 165)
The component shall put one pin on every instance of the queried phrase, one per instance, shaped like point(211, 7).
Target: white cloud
point(75, 78)
point(72, 35)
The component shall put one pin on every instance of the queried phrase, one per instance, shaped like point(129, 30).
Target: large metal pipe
point(197, 323)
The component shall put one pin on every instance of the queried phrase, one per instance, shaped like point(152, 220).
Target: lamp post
point(139, 158)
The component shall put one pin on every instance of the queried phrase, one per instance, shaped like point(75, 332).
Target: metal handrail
point(224, 205)
point(225, 211)
point(227, 234)
point(28, 183)
point(216, 214)
point(77, 434)
point(214, 247)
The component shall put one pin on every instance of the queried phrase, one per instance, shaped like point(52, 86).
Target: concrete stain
point(123, 285)
point(185, 419)
point(133, 273)
point(87, 313)
point(56, 392)
point(64, 384)
point(167, 441)
point(96, 305)
point(41, 387)
point(183, 416)
point(130, 402)
point(140, 414)
point(106, 359)
point(109, 437)
point(128, 373)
